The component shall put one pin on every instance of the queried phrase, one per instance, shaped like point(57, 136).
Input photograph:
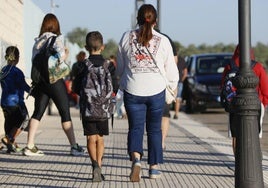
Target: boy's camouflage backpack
point(96, 94)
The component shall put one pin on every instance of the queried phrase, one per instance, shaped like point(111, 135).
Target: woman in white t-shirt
point(142, 53)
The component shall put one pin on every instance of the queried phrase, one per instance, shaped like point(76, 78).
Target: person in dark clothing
point(13, 86)
point(166, 111)
point(80, 57)
point(76, 68)
point(120, 109)
point(112, 68)
point(183, 71)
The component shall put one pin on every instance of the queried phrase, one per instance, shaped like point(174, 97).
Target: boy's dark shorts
point(95, 127)
point(166, 110)
point(233, 124)
point(15, 115)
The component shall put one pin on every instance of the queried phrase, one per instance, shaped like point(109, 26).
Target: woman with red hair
point(44, 91)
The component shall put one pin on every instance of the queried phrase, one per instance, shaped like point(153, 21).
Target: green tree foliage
point(77, 35)
point(110, 49)
point(260, 50)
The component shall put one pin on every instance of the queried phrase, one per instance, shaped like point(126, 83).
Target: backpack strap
point(106, 65)
point(49, 43)
point(52, 41)
point(88, 63)
point(48, 46)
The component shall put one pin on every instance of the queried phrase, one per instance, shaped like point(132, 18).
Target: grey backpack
point(96, 93)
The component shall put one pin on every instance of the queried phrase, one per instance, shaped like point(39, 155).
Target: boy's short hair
point(94, 41)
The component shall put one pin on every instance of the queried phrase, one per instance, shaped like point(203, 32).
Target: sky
point(186, 21)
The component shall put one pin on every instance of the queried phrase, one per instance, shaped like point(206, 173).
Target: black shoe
point(175, 116)
point(12, 147)
point(97, 176)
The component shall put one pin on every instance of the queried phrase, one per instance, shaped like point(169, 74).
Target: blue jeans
point(140, 111)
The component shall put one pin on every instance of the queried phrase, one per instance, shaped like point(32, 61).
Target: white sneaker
point(33, 152)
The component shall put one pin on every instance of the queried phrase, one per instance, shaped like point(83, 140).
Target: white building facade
point(20, 22)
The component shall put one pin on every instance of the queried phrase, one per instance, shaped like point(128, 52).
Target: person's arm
point(21, 81)
point(263, 86)
point(111, 68)
point(120, 59)
point(184, 74)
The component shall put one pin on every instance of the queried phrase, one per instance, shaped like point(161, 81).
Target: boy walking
point(94, 89)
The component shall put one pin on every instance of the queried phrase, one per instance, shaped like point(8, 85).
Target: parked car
point(201, 88)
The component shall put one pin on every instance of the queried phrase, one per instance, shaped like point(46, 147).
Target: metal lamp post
point(248, 165)
point(158, 14)
point(52, 6)
point(138, 3)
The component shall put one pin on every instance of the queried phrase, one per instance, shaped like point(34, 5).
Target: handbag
point(57, 69)
point(171, 94)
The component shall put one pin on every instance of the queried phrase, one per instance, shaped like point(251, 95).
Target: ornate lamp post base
point(248, 165)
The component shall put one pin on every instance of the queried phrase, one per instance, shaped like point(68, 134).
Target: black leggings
point(58, 93)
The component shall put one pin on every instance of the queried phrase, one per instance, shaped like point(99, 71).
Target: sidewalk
point(195, 157)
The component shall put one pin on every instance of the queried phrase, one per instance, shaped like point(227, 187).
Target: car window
point(212, 65)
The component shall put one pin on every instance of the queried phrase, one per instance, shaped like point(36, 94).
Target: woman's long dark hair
point(50, 24)
point(147, 16)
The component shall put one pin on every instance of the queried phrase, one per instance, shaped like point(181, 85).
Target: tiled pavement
point(195, 157)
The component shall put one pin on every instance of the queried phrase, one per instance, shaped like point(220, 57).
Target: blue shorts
point(180, 87)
